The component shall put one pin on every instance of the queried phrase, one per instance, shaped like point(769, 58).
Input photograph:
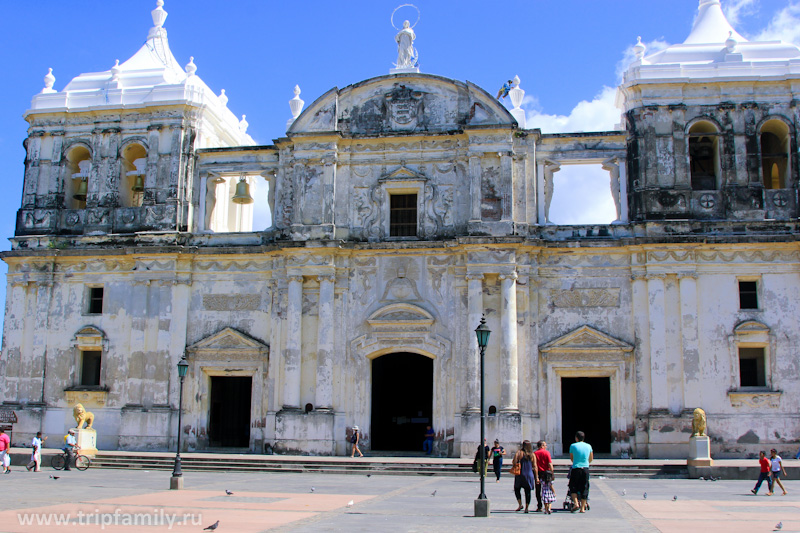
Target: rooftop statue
point(406, 53)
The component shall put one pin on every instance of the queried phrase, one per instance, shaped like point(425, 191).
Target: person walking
point(477, 462)
point(548, 494)
point(497, 452)
point(764, 474)
point(36, 453)
point(354, 438)
point(582, 455)
point(5, 450)
point(777, 467)
point(525, 474)
point(544, 465)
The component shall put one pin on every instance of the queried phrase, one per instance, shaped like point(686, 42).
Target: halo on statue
point(391, 19)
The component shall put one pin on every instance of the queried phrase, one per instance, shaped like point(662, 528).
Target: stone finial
point(730, 43)
point(191, 68)
point(115, 71)
point(517, 94)
point(223, 98)
point(49, 80)
point(243, 124)
point(158, 14)
point(639, 48)
point(296, 105)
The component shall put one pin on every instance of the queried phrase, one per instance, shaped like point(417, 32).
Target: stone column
point(507, 179)
point(474, 313)
point(623, 192)
point(658, 342)
point(325, 332)
point(291, 355)
point(693, 393)
point(34, 389)
point(641, 328)
point(509, 387)
point(475, 188)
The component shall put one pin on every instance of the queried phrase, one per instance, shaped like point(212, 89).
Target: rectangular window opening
point(751, 367)
point(748, 295)
point(402, 215)
point(90, 368)
point(95, 300)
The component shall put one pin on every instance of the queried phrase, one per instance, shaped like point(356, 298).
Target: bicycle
point(60, 461)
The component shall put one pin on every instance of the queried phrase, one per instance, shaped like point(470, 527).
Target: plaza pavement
point(285, 502)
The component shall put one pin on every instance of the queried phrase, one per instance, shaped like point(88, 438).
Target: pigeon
point(350, 503)
point(55, 477)
point(675, 498)
point(644, 495)
point(369, 475)
point(229, 493)
point(702, 478)
point(778, 526)
point(434, 492)
point(212, 527)
point(624, 492)
point(313, 489)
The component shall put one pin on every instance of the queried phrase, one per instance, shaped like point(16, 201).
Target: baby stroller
point(568, 500)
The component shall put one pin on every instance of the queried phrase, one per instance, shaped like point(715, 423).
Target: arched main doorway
point(402, 401)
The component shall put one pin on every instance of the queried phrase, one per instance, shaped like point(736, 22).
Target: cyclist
point(70, 447)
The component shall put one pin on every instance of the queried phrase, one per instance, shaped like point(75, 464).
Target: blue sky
point(568, 54)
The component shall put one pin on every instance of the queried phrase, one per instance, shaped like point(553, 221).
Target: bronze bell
point(138, 184)
point(242, 195)
point(80, 194)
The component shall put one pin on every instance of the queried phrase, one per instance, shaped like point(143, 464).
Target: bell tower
point(713, 126)
point(113, 152)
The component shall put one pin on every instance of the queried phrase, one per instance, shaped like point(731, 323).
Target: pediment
point(400, 314)
point(751, 326)
point(402, 103)
point(226, 340)
point(404, 174)
point(586, 338)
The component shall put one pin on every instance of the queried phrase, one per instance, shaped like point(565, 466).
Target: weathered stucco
point(304, 308)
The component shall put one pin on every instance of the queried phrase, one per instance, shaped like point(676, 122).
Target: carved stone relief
point(231, 302)
point(585, 298)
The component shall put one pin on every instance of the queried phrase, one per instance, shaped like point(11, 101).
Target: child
point(548, 493)
point(777, 468)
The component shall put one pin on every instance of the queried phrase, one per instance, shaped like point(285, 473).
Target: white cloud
point(784, 26)
point(582, 195)
point(736, 9)
point(600, 114)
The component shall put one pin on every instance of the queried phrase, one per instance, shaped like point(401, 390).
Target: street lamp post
point(482, 503)
point(176, 481)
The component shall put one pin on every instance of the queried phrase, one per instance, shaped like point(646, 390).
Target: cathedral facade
point(404, 209)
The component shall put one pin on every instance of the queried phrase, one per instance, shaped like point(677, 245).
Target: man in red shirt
point(765, 468)
point(5, 444)
point(544, 465)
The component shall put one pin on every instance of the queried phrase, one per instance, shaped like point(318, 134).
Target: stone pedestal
point(87, 441)
point(699, 461)
point(176, 483)
point(482, 508)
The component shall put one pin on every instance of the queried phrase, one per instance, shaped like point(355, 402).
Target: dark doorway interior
point(402, 401)
point(586, 406)
point(229, 422)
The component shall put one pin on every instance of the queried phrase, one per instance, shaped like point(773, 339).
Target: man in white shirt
point(70, 446)
point(36, 452)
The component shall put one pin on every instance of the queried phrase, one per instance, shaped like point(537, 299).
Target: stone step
point(384, 466)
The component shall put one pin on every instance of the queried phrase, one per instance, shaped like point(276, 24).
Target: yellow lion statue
point(699, 423)
point(82, 416)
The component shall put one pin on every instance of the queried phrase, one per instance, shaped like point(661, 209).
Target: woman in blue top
point(581, 455)
point(527, 477)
